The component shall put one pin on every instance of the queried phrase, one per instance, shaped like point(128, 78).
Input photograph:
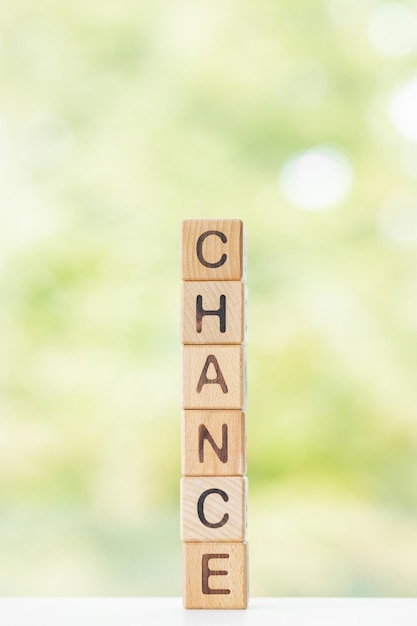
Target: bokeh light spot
point(316, 179)
point(392, 29)
point(403, 108)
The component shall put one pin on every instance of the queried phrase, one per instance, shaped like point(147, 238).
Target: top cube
point(213, 250)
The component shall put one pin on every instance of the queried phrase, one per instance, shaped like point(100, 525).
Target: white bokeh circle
point(392, 29)
point(403, 109)
point(318, 178)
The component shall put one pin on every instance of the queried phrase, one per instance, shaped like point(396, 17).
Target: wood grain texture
point(215, 575)
point(198, 455)
point(214, 377)
point(213, 312)
point(213, 249)
point(213, 508)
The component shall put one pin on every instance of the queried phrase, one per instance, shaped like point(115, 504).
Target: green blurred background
point(119, 119)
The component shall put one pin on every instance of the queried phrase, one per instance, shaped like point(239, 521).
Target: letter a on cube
point(214, 377)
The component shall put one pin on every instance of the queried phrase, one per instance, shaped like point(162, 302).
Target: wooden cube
point(213, 249)
point(213, 443)
point(213, 312)
point(215, 576)
point(213, 508)
point(214, 377)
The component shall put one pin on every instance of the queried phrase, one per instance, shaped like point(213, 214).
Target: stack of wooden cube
point(214, 486)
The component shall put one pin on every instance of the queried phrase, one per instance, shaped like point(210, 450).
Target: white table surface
point(169, 612)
